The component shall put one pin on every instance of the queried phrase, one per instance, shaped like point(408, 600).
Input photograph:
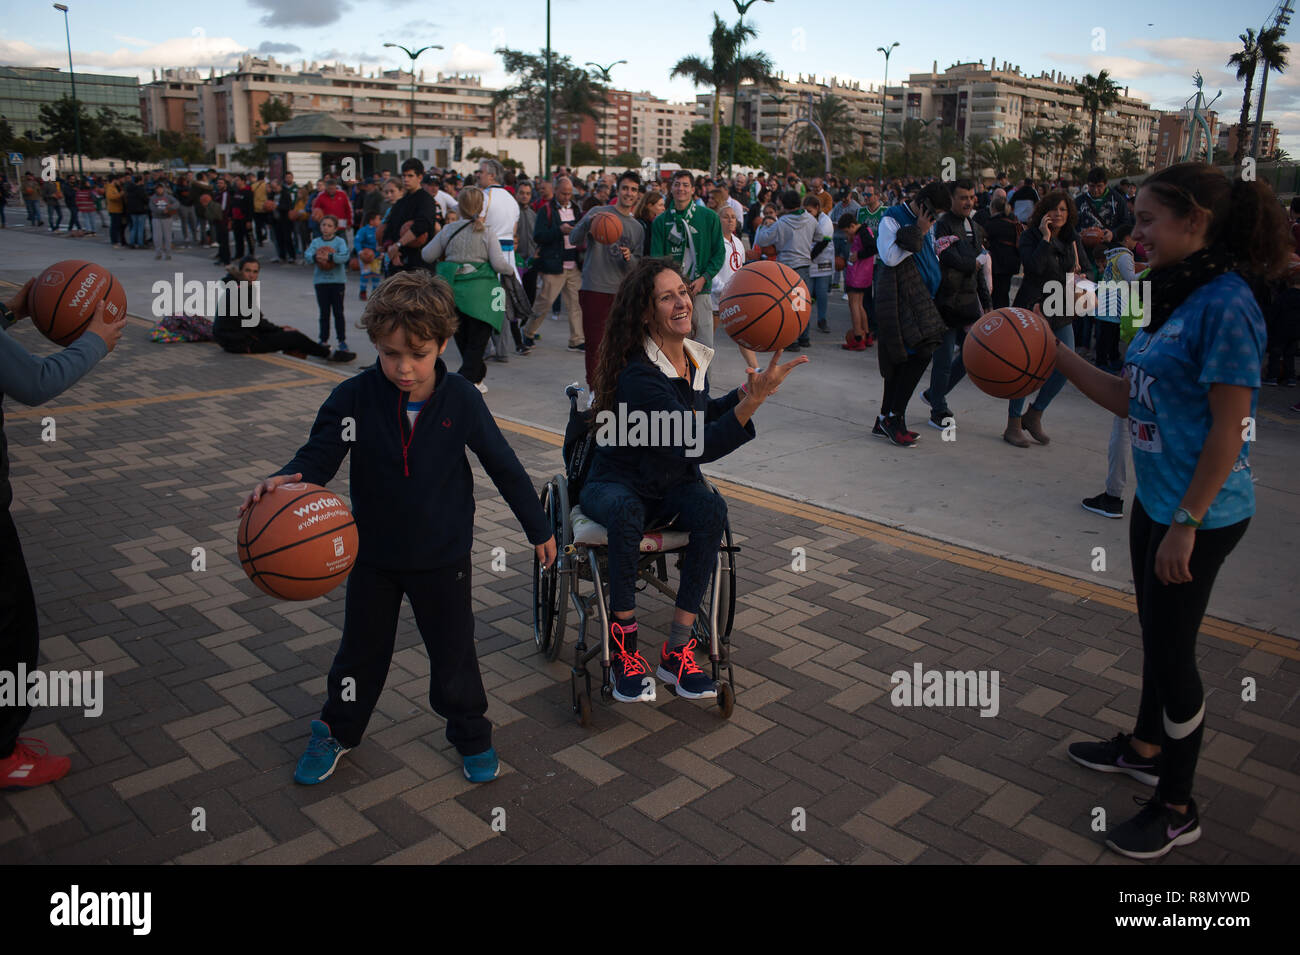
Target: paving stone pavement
point(210, 684)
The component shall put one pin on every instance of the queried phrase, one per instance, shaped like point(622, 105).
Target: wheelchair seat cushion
point(588, 533)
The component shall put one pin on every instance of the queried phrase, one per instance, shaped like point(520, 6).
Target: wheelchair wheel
point(726, 700)
point(551, 584)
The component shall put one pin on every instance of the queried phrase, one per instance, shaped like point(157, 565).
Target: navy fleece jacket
point(412, 489)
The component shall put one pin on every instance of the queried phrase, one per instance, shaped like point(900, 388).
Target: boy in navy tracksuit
point(409, 422)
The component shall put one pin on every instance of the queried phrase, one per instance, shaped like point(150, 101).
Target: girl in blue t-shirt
point(1190, 380)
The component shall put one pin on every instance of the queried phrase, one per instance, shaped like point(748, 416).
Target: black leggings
point(1171, 713)
point(472, 338)
point(19, 634)
point(900, 382)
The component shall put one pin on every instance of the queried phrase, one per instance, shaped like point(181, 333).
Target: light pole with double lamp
point(604, 72)
point(431, 46)
point(76, 110)
point(884, 99)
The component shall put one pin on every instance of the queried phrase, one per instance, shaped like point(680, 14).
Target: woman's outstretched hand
point(762, 385)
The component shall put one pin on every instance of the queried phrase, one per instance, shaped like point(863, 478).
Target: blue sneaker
point(628, 670)
point(483, 767)
point(678, 668)
point(322, 756)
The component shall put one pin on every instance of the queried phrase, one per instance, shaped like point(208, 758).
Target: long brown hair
point(626, 327)
point(1245, 217)
point(651, 196)
point(1050, 202)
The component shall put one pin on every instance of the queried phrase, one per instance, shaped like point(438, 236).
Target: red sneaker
point(28, 766)
point(870, 340)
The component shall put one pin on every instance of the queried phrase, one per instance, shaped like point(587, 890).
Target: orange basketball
point(298, 542)
point(1009, 353)
point(367, 255)
point(606, 227)
point(1092, 237)
point(204, 198)
point(765, 306)
point(63, 299)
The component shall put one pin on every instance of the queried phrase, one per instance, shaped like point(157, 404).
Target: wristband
point(7, 316)
point(744, 391)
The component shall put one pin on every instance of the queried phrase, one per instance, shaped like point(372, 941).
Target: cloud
point(134, 41)
point(301, 13)
point(463, 59)
point(266, 46)
point(198, 50)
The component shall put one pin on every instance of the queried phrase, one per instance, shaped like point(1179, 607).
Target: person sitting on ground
point(244, 330)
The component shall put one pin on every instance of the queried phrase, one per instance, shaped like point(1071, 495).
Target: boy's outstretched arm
point(503, 467)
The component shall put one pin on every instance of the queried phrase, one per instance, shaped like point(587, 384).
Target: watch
point(1184, 517)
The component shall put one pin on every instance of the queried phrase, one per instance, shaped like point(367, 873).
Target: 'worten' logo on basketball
point(323, 504)
point(729, 312)
point(87, 284)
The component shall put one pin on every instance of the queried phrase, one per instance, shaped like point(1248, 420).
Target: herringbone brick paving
point(210, 684)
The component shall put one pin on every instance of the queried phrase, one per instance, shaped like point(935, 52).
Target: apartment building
point(1171, 133)
point(170, 101)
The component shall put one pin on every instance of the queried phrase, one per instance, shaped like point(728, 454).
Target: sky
point(1152, 51)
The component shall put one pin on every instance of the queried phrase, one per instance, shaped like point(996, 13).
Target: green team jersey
point(871, 219)
point(693, 237)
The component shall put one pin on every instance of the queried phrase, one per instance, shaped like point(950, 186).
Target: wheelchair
point(582, 558)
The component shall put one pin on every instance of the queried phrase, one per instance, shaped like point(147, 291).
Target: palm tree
point(1065, 138)
point(1007, 155)
point(833, 115)
point(1246, 60)
point(1272, 55)
point(1130, 161)
point(1098, 92)
point(577, 94)
point(975, 144)
point(727, 68)
point(913, 142)
point(1037, 139)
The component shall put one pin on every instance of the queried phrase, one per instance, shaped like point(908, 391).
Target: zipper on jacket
point(406, 441)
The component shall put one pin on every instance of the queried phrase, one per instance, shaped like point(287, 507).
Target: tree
point(1273, 53)
point(1246, 60)
point(1130, 161)
point(833, 115)
point(274, 111)
point(1065, 138)
point(574, 93)
point(727, 68)
point(914, 147)
point(577, 97)
point(975, 144)
point(578, 153)
point(697, 143)
point(1039, 139)
point(1098, 92)
point(183, 146)
point(628, 160)
point(1004, 155)
point(59, 124)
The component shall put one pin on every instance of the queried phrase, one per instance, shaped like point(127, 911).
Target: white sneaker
point(481, 387)
point(844, 297)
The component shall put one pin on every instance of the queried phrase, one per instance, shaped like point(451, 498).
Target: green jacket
point(693, 238)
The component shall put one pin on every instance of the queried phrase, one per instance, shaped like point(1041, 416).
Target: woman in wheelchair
point(644, 477)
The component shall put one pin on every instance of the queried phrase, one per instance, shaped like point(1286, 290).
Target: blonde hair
point(470, 202)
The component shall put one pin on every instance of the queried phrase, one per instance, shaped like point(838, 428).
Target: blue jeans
point(54, 213)
point(33, 211)
point(137, 229)
point(820, 286)
point(1052, 387)
point(625, 516)
point(946, 370)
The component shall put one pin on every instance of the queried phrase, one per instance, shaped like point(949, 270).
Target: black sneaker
point(878, 430)
point(937, 419)
point(793, 346)
point(823, 327)
point(339, 355)
point(1107, 505)
point(1156, 829)
point(925, 396)
point(628, 670)
point(678, 668)
point(1117, 756)
point(1269, 381)
point(898, 434)
point(579, 347)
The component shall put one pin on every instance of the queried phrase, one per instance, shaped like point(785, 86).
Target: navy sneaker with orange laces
point(627, 668)
point(677, 667)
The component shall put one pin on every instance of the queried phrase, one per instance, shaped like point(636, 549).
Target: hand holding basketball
point(266, 487)
point(110, 331)
point(19, 304)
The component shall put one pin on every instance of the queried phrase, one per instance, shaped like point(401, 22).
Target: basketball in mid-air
point(62, 300)
point(1009, 352)
point(298, 541)
point(765, 306)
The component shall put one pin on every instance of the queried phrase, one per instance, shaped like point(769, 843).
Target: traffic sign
point(16, 158)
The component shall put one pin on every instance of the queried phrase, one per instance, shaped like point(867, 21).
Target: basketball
point(63, 299)
point(1092, 237)
point(367, 255)
point(317, 214)
point(298, 542)
point(765, 307)
point(606, 228)
point(268, 205)
point(1009, 353)
point(204, 198)
point(840, 264)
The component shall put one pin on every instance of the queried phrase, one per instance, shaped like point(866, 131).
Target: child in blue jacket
point(329, 254)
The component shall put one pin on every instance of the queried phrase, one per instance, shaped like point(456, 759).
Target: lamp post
point(431, 46)
point(76, 110)
point(735, 89)
point(604, 72)
point(884, 97)
point(549, 167)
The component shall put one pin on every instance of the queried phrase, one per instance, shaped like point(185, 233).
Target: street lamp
point(884, 97)
point(76, 110)
point(604, 72)
point(431, 46)
point(735, 89)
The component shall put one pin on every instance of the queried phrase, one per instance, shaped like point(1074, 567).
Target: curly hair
point(627, 326)
point(1050, 202)
point(418, 301)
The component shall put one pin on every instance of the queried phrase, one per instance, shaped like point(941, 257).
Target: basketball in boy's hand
point(765, 306)
point(1009, 353)
point(62, 300)
point(606, 228)
point(297, 542)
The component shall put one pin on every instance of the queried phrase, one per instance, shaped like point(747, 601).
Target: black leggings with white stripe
point(1171, 714)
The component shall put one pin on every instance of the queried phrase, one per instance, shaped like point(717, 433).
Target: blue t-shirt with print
point(1215, 337)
